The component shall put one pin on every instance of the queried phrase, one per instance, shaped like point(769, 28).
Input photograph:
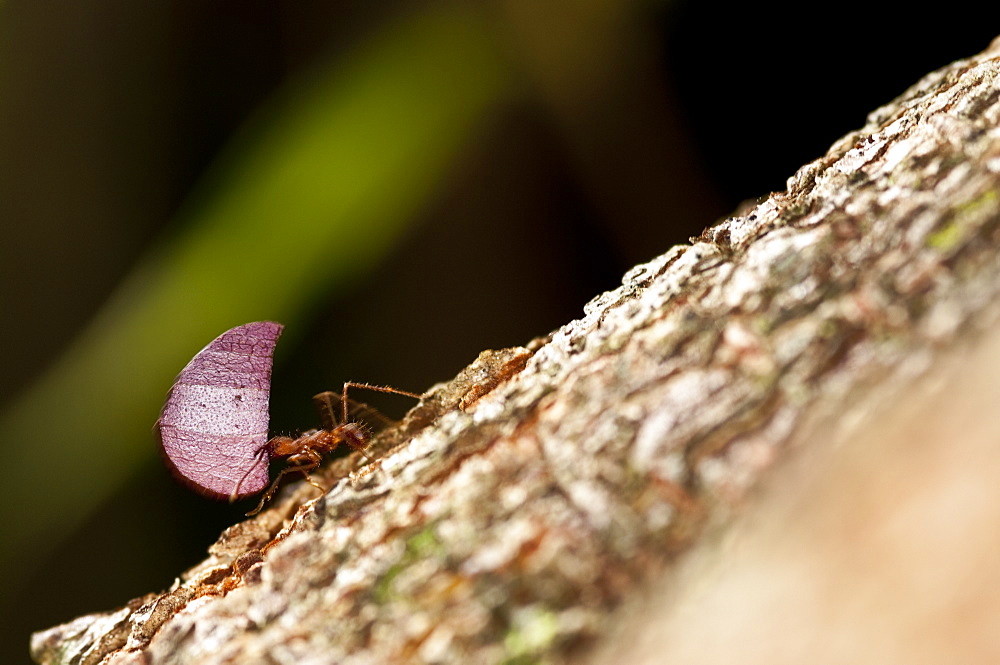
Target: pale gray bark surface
point(535, 509)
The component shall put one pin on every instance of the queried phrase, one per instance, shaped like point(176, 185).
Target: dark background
point(627, 127)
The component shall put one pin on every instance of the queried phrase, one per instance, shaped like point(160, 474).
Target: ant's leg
point(366, 470)
point(267, 495)
point(328, 406)
point(305, 462)
point(368, 386)
point(312, 460)
point(325, 403)
point(366, 414)
point(304, 468)
point(261, 452)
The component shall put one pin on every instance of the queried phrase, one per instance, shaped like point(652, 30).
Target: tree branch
point(534, 508)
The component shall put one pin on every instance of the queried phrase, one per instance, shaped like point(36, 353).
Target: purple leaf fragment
point(213, 426)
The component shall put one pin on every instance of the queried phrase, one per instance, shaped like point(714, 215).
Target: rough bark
point(799, 402)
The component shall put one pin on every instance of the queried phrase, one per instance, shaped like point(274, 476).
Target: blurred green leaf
point(311, 194)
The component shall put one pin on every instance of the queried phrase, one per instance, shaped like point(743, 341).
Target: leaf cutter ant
point(214, 424)
point(304, 453)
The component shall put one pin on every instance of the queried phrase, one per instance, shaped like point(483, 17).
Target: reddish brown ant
point(305, 453)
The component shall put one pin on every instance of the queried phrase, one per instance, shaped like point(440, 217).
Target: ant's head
point(357, 434)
